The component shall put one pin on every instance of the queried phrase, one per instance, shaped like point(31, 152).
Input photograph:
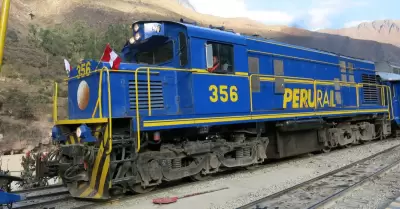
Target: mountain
point(385, 31)
point(374, 41)
point(186, 4)
point(28, 72)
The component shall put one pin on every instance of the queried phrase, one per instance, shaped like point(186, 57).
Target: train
point(189, 101)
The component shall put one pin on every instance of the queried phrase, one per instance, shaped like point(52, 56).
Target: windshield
point(155, 55)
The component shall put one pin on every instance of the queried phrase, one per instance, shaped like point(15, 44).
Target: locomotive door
point(395, 86)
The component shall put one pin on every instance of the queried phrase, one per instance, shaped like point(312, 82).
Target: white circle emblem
point(83, 95)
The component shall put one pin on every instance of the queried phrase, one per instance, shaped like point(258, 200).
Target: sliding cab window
point(156, 55)
point(183, 50)
point(219, 58)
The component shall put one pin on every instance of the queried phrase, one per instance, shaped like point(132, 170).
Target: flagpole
point(98, 63)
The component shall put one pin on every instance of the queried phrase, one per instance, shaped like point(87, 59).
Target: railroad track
point(325, 191)
point(57, 196)
point(376, 192)
point(43, 195)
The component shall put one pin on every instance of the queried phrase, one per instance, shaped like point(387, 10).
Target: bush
point(17, 104)
point(78, 41)
point(28, 106)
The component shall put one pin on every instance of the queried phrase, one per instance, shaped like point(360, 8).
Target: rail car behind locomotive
point(162, 116)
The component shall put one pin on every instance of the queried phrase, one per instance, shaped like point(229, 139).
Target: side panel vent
point(370, 92)
point(156, 93)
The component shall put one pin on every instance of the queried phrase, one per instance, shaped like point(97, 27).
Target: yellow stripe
point(241, 73)
point(86, 192)
point(202, 71)
point(267, 79)
point(71, 137)
point(215, 74)
point(104, 173)
point(95, 168)
point(195, 70)
point(81, 121)
point(94, 172)
point(249, 117)
point(300, 81)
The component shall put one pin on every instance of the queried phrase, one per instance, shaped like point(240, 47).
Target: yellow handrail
point(390, 103)
point(99, 102)
point(137, 95)
point(109, 112)
point(137, 111)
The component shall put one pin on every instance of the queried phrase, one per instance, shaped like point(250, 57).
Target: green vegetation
point(26, 85)
point(45, 65)
point(78, 41)
point(22, 105)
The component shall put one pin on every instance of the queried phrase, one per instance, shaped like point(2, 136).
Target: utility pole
point(5, 8)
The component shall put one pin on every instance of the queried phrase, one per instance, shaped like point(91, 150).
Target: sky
point(308, 14)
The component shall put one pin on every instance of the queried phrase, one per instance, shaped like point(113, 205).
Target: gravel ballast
point(248, 186)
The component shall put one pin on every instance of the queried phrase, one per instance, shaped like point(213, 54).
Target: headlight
point(137, 36)
point(57, 134)
point(85, 134)
point(132, 40)
point(78, 132)
point(136, 27)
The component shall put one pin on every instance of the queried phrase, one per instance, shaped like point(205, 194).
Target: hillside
point(385, 31)
point(26, 80)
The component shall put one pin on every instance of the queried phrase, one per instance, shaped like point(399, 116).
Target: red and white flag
point(111, 57)
point(68, 67)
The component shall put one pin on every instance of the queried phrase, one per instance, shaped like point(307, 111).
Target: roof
point(270, 41)
point(205, 33)
point(214, 34)
point(236, 38)
point(388, 76)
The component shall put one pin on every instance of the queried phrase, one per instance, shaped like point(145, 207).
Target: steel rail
point(281, 193)
point(343, 192)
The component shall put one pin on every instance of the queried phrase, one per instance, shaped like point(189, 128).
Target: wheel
point(140, 190)
point(9, 205)
point(326, 150)
point(200, 177)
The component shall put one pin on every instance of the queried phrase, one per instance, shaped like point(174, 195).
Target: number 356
point(222, 93)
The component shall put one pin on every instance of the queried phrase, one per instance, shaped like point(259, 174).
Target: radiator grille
point(370, 93)
point(156, 93)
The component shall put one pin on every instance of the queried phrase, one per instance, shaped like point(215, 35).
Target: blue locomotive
point(190, 101)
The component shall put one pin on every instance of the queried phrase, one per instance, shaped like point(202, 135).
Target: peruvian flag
point(111, 57)
point(68, 67)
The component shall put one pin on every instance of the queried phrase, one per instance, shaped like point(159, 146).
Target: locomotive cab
point(157, 44)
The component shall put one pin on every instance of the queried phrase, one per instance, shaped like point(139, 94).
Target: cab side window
point(222, 58)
